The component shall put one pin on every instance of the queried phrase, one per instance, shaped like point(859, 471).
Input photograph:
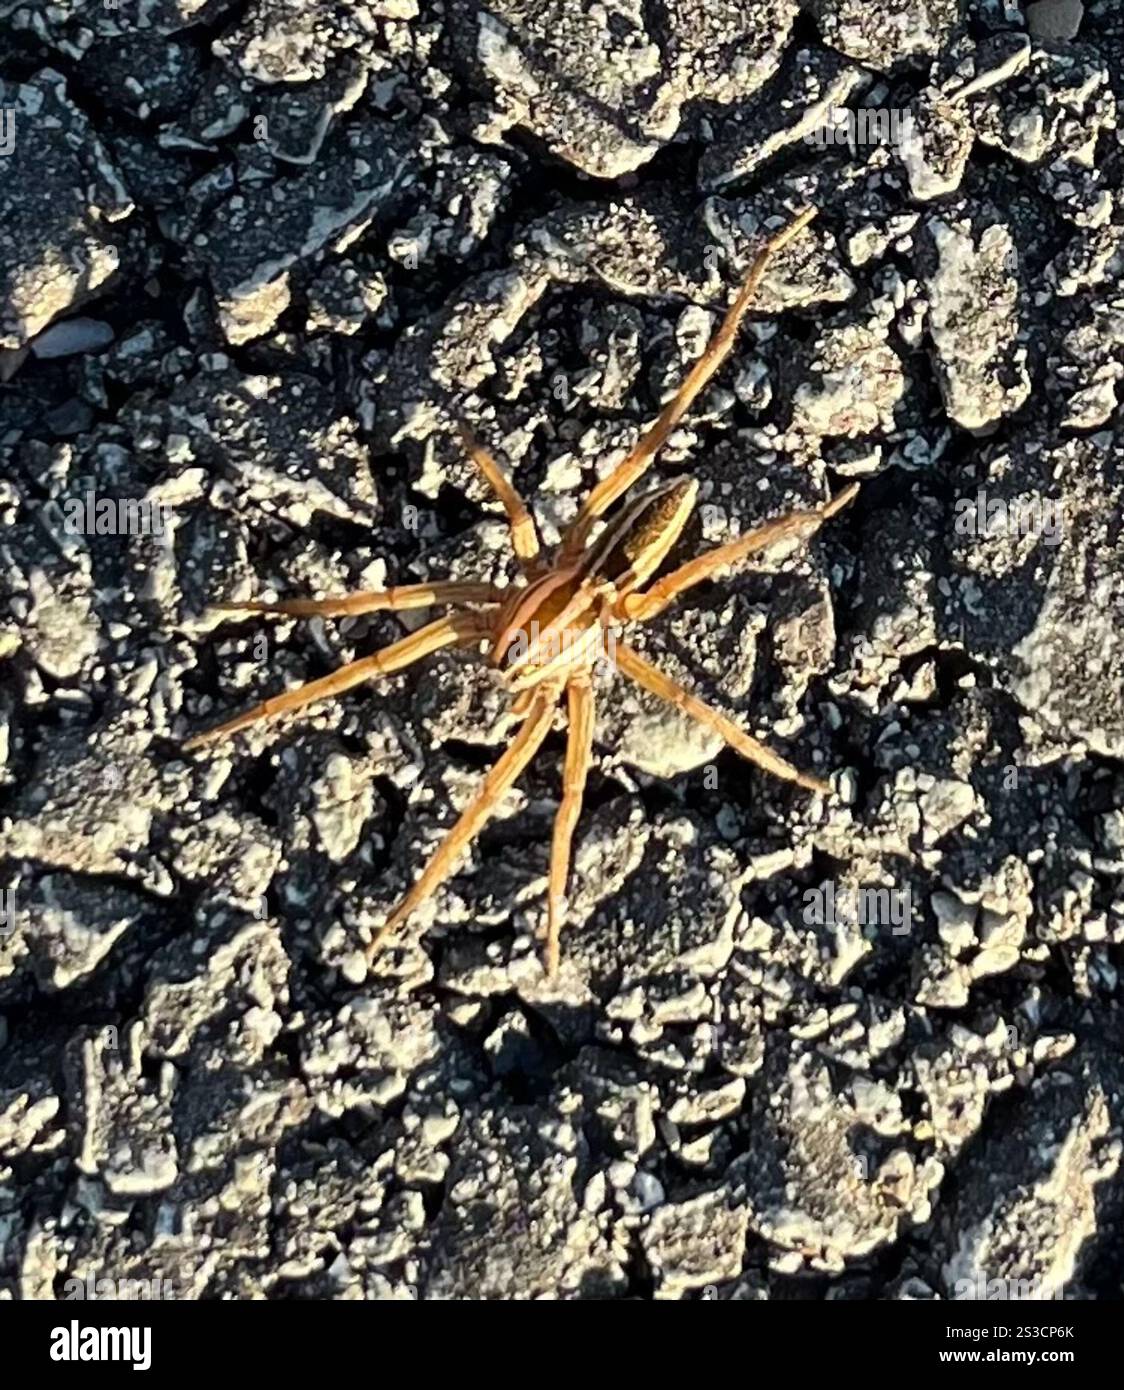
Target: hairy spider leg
point(456, 629)
point(395, 599)
point(635, 464)
point(579, 754)
point(524, 536)
point(476, 814)
point(639, 607)
point(632, 665)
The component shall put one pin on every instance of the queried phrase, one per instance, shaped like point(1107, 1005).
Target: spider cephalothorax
point(547, 633)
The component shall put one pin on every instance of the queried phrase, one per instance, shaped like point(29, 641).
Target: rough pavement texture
point(254, 259)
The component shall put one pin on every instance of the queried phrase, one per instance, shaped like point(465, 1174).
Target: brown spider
point(547, 632)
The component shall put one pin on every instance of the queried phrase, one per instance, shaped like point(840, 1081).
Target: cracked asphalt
point(257, 258)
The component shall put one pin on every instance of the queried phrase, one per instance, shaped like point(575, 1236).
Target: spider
point(547, 632)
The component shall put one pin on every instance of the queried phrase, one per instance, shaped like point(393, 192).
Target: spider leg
point(649, 678)
point(457, 629)
point(476, 814)
point(639, 607)
point(636, 463)
point(579, 752)
point(396, 599)
point(516, 712)
point(524, 536)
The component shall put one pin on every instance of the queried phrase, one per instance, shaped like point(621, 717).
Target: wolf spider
point(546, 632)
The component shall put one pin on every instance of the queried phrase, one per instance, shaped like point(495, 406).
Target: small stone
point(72, 336)
point(1055, 19)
